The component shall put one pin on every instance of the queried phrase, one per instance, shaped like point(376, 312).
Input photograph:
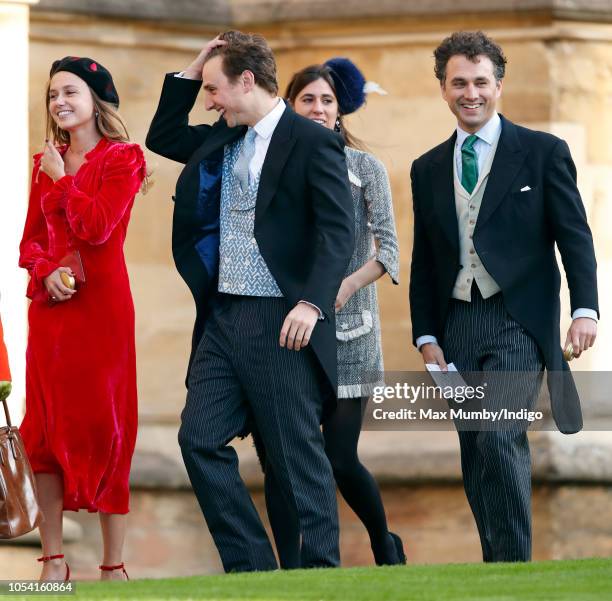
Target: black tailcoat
point(515, 237)
point(304, 223)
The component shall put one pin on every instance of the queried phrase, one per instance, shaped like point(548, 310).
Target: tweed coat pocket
point(351, 328)
point(353, 325)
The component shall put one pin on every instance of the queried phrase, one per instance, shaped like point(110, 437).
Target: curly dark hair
point(247, 52)
point(470, 44)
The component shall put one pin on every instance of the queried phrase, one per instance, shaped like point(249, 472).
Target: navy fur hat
point(349, 83)
point(97, 77)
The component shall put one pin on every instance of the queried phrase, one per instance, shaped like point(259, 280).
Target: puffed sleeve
point(33, 249)
point(379, 203)
point(94, 217)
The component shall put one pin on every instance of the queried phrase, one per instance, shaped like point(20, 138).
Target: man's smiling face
point(221, 95)
point(471, 90)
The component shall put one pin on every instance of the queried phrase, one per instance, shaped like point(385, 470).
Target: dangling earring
point(97, 114)
point(337, 125)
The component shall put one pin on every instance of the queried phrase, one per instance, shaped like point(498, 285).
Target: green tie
point(469, 163)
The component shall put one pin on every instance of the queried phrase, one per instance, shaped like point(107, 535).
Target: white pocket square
point(525, 189)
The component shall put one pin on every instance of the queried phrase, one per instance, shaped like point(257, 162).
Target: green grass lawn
point(581, 580)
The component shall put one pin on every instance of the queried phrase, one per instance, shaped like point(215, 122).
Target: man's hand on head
point(194, 71)
point(298, 326)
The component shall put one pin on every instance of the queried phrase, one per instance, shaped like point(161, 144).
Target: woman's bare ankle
point(54, 569)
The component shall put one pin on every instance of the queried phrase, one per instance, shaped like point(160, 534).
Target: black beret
point(97, 77)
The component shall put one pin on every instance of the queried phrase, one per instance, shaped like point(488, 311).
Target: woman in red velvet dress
point(81, 410)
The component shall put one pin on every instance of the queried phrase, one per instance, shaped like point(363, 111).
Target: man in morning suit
point(490, 204)
point(262, 234)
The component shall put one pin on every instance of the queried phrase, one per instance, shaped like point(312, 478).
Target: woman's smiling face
point(70, 101)
point(317, 102)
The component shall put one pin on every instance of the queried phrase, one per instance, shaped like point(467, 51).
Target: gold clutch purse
point(75, 264)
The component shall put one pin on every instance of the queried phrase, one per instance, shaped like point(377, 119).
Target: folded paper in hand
point(452, 378)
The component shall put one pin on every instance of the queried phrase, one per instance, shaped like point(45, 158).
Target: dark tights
point(341, 433)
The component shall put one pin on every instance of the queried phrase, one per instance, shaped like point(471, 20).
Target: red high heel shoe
point(120, 566)
point(46, 558)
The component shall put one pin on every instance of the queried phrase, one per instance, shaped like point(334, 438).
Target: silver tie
point(241, 167)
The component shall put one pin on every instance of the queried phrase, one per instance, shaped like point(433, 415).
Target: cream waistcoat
point(468, 207)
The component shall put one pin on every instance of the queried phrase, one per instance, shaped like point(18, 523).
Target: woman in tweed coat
point(324, 93)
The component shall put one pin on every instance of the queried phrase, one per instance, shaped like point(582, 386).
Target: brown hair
point(470, 44)
point(247, 52)
point(108, 121)
point(305, 77)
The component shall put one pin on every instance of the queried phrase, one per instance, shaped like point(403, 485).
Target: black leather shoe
point(399, 545)
point(393, 552)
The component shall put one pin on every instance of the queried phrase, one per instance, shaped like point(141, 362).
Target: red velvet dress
point(81, 408)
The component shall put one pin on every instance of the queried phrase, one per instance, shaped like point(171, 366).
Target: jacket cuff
point(321, 316)
point(583, 312)
point(421, 340)
point(389, 261)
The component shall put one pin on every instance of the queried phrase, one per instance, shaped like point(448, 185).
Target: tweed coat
point(360, 360)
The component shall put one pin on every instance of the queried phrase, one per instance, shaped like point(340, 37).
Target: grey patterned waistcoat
point(242, 269)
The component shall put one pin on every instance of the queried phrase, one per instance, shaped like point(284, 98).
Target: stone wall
point(167, 536)
point(247, 12)
point(559, 79)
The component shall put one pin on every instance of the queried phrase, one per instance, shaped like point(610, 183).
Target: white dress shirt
point(264, 129)
point(487, 136)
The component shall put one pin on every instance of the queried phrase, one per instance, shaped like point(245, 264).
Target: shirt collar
point(265, 127)
point(487, 133)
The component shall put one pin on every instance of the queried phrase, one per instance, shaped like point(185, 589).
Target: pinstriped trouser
point(481, 336)
point(240, 372)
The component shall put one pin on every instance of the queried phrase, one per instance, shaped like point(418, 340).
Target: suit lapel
point(191, 174)
point(224, 135)
point(444, 190)
point(509, 157)
point(279, 150)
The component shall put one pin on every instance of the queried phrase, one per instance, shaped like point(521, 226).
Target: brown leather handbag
point(19, 511)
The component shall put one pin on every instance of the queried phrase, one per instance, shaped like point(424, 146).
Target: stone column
point(580, 107)
point(14, 186)
point(14, 182)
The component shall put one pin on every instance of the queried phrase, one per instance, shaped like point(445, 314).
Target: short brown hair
point(470, 44)
point(247, 52)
